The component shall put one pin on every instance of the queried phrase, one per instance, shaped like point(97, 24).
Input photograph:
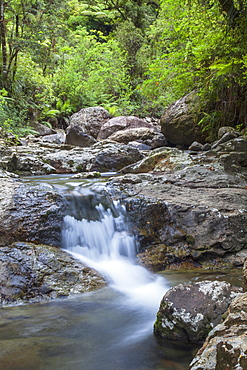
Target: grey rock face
point(102, 157)
point(196, 146)
point(189, 312)
point(90, 120)
point(57, 138)
point(226, 129)
point(31, 272)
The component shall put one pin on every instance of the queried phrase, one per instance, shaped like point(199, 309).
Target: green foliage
point(132, 57)
point(91, 72)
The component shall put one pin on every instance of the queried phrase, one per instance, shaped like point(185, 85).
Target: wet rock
point(226, 345)
point(206, 147)
point(189, 312)
point(75, 136)
point(44, 158)
point(90, 120)
point(245, 276)
point(123, 123)
point(30, 213)
point(86, 175)
point(179, 122)
point(31, 272)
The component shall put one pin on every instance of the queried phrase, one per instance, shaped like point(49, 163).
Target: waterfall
point(106, 244)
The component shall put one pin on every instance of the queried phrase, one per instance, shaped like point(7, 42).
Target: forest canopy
point(131, 57)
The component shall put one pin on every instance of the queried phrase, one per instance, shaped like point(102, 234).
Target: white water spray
point(107, 245)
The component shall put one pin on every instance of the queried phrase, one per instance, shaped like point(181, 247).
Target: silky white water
point(107, 245)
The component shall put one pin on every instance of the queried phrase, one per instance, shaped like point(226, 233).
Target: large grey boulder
point(179, 122)
point(30, 273)
point(189, 312)
point(123, 123)
point(90, 120)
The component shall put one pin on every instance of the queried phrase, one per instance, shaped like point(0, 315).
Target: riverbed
point(108, 329)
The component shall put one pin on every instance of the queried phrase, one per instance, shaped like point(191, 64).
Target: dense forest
point(131, 57)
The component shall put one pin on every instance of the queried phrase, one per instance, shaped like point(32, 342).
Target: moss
point(79, 168)
point(190, 239)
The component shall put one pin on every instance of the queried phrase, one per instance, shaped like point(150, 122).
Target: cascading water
point(108, 329)
point(106, 244)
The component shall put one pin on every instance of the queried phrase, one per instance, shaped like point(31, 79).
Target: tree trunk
point(3, 43)
point(227, 7)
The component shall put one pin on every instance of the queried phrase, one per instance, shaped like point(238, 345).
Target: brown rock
point(122, 123)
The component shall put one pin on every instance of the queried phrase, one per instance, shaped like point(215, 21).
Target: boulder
point(188, 312)
point(90, 120)
point(179, 122)
point(224, 138)
point(145, 135)
point(75, 136)
point(122, 123)
point(30, 213)
point(226, 345)
point(30, 272)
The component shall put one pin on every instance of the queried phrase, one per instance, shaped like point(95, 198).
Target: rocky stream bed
point(188, 209)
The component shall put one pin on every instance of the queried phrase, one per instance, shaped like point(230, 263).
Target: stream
point(108, 329)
